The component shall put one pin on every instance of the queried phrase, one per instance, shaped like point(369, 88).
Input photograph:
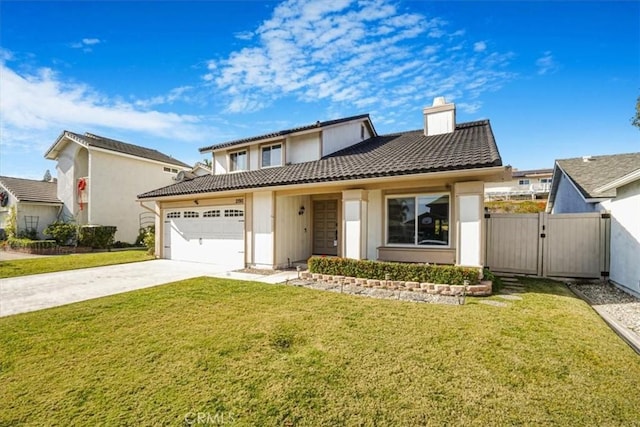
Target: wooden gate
point(560, 245)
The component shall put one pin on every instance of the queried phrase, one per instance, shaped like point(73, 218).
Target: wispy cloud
point(85, 44)
point(36, 107)
point(546, 64)
point(243, 35)
point(175, 94)
point(355, 52)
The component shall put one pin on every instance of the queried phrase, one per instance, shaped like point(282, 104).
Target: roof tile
point(29, 190)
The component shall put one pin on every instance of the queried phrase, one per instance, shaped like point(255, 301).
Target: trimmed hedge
point(378, 270)
point(97, 236)
point(34, 245)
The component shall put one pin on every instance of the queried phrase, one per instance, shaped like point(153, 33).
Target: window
point(211, 214)
point(191, 214)
point(421, 220)
point(523, 182)
point(238, 161)
point(171, 170)
point(173, 215)
point(362, 131)
point(233, 212)
point(545, 180)
point(272, 155)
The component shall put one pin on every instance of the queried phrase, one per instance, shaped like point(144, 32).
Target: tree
point(47, 176)
point(635, 120)
point(207, 161)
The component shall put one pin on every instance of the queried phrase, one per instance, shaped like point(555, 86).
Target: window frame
point(270, 147)
point(524, 181)
point(168, 169)
point(416, 196)
point(238, 152)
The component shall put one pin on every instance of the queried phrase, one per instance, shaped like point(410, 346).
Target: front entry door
point(325, 227)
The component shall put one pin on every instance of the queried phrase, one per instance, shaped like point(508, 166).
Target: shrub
point(28, 233)
point(149, 239)
point(12, 224)
point(445, 274)
point(36, 245)
point(96, 236)
point(62, 232)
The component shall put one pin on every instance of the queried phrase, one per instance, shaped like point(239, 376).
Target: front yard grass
point(244, 353)
point(50, 264)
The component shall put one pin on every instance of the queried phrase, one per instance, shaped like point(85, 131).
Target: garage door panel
point(208, 235)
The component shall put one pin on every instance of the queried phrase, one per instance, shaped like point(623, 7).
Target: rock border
point(483, 289)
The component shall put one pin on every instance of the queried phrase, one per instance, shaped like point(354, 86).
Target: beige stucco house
point(524, 184)
point(99, 179)
point(335, 188)
point(36, 203)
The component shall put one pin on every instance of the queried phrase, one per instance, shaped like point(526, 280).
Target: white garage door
point(212, 235)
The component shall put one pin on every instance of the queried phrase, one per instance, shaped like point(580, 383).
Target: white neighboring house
point(573, 189)
point(624, 267)
point(336, 188)
point(36, 203)
point(99, 179)
point(526, 184)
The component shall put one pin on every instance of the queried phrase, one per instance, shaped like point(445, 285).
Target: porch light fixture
point(301, 210)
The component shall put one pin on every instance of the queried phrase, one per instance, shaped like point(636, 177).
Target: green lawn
point(251, 354)
point(50, 264)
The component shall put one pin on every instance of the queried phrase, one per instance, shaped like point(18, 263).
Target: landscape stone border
point(483, 289)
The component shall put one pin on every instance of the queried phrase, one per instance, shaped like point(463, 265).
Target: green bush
point(28, 233)
point(445, 274)
point(149, 239)
point(97, 236)
point(15, 243)
point(63, 233)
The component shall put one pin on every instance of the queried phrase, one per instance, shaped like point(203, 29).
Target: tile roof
point(120, 147)
point(283, 132)
point(470, 146)
point(520, 174)
point(598, 171)
point(29, 190)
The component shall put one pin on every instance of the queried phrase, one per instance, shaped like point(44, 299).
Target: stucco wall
point(262, 227)
point(625, 237)
point(339, 137)
point(293, 231)
point(375, 212)
point(114, 186)
point(303, 148)
point(38, 215)
point(568, 200)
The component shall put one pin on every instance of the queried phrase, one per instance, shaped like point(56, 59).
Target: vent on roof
point(440, 117)
point(587, 159)
point(184, 176)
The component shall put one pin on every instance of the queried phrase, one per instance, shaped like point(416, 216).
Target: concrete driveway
point(30, 293)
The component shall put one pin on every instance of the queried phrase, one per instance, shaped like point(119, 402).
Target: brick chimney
point(439, 118)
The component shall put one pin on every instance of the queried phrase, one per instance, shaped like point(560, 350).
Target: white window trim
point(262, 147)
point(246, 153)
point(171, 170)
point(415, 196)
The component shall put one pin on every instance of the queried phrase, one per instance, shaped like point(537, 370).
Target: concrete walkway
point(39, 291)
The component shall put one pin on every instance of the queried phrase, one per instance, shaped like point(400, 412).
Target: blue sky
point(556, 79)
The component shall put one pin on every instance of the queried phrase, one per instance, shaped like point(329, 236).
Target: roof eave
point(489, 173)
point(626, 179)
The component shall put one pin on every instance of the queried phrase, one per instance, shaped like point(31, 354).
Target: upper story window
point(418, 220)
point(545, 180)
point(170, 170)
point(272, 155)
point(238, 161)
point(523, 182)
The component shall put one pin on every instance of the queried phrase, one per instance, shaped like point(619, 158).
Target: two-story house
point(335, 188)
point(99, 179)
point(524, 184)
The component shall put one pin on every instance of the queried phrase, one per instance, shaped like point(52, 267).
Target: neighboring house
point(624, 267)
point(526, 184)
point(575, 181)
point(36, 203)
point(336, 188)
point(99, 179)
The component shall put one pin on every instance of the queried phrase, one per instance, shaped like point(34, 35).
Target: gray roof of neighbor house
point(470, 146)
point(30, 190)
point(285, 132)
point(97, 141)
point(591, 172)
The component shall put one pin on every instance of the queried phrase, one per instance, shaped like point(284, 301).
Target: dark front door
point(325, 227)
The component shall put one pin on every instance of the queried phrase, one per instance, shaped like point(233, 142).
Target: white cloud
point(243, 35)
point(546, 64)
point(85, 44)
point(43, 103)
point(175, 94)
point(354, 52)
point(479, 46)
